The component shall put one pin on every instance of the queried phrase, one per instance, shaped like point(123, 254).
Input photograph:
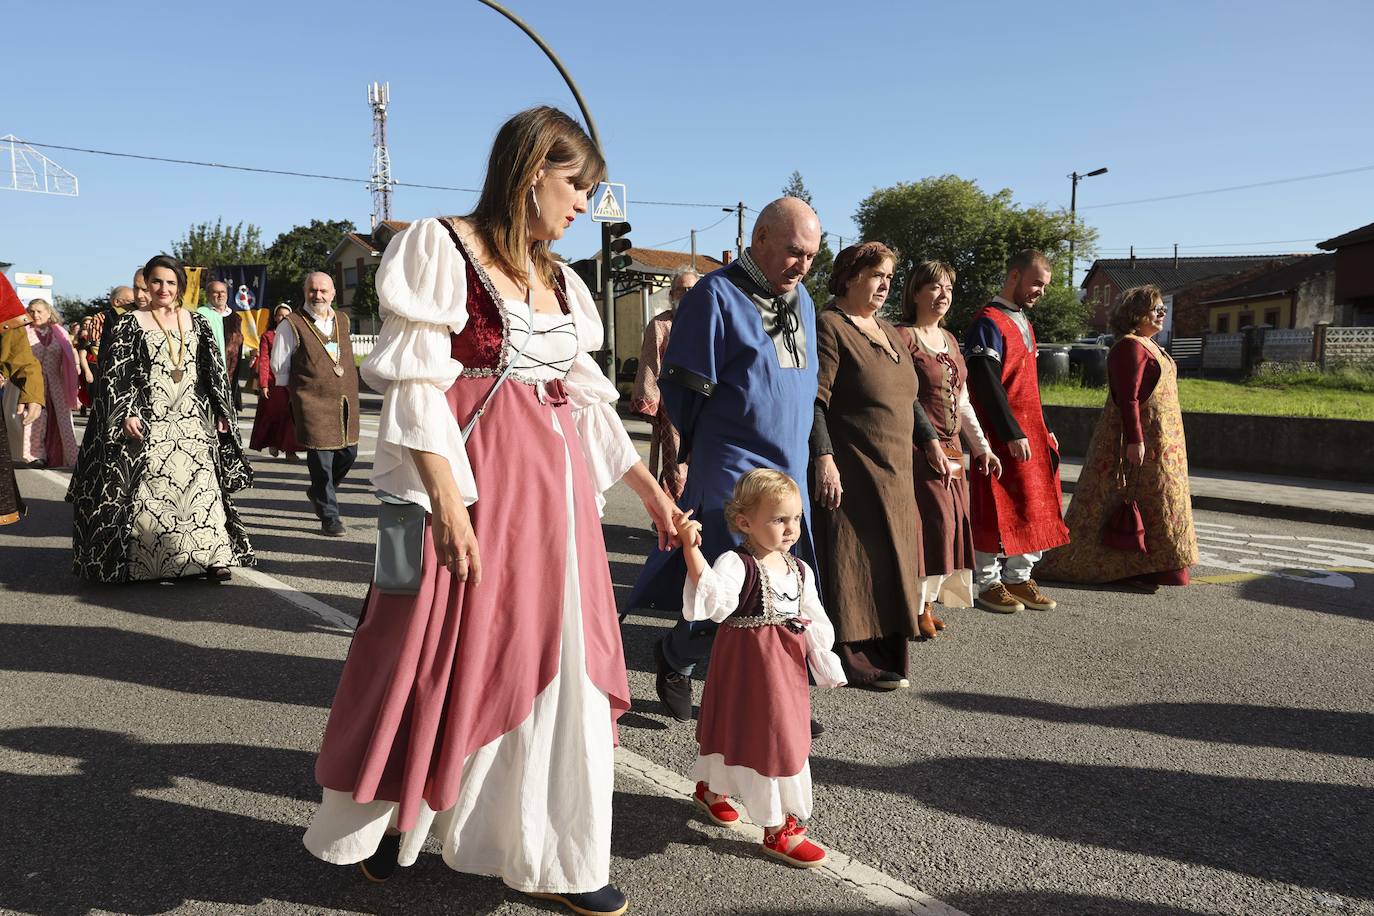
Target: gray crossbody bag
point(401, 523)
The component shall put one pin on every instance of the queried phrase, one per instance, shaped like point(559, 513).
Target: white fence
point(1224, 351)
point(1348, 345)
point(362, 343)
point(1288, 345)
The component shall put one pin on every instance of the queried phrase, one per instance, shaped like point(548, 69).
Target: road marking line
point(292, 595)
point(878, 888)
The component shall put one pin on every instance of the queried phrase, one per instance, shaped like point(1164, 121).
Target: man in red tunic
point(1019, 516)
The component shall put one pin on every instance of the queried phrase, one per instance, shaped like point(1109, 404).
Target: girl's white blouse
point(422, 289)
point(716, 597)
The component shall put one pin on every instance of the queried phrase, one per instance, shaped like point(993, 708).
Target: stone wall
point(1293, 446)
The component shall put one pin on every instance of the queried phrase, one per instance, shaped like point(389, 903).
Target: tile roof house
point(1354, 254)
point(1108, 278)
point(1294, 294)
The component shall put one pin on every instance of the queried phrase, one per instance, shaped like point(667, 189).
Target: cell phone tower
point(379, 97)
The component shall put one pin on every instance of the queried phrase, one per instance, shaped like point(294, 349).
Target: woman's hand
point(222, 425)
point(988, 463)
point(455, 543)
point(829, 490)
point(661, 509)
point(935, 457)
point(1135, 453)
point(133, 428)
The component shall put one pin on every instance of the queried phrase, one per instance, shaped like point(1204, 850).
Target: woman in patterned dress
point(151, 487)
point(51, 441)
point(1137, 453)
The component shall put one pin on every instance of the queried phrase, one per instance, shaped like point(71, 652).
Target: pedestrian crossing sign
point(610, 201)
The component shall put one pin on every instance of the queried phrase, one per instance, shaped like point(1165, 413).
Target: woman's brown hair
point(923, 274)
point(538, 138)
point(852, 260)
point(1135, 304)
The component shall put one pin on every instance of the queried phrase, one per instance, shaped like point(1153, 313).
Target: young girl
point(754, 731)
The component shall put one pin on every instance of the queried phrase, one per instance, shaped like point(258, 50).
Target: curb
point(1345, 518)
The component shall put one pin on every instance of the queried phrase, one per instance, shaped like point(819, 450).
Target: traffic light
point(615, 246)
point(590, 272)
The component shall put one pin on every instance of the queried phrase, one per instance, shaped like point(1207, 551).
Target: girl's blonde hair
point(753, 488)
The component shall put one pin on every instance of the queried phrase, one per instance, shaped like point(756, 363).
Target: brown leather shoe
point(930, 612)
point(998, 600)
point(924, 625)
point(1029, 594)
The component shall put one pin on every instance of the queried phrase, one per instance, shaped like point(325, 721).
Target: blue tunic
point(737, 408)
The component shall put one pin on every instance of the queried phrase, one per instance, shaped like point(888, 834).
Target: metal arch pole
point(562, 70)
point(607, 282)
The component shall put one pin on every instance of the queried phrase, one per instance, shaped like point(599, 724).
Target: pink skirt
point(432, 677)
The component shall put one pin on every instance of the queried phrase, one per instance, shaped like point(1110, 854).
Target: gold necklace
point(179, 358)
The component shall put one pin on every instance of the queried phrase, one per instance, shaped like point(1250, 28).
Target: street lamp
point(1073, 210)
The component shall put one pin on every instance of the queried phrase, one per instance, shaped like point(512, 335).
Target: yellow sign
point(32, 279)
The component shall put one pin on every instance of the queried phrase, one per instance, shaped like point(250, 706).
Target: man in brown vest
point(313, 359)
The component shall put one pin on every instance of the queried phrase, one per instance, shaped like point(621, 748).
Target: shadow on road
point(93, 840)
point(1055, 903)
point(1357, 602)
point(1319, 731)
point(154, 661)
point(1301, 833)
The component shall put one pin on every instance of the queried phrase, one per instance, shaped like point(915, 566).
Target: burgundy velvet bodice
point(479, 346)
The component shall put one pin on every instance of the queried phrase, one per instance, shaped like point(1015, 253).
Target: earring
point(535, 200)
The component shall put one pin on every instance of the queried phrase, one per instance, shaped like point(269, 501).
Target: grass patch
point(1291, 398)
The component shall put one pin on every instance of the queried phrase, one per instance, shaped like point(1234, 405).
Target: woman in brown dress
point(1137, 453)
point(868, 539)
point(942, 497)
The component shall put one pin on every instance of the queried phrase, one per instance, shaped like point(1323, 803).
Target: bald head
point(786, 237)
point(121, 297)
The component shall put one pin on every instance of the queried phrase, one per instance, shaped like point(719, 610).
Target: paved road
point(1204, 750)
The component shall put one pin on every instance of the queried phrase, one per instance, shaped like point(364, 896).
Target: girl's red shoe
point(790, 845)
point(721, 812)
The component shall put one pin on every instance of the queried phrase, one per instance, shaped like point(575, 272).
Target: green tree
point(951, 219)
point(74, 308)
point(818, 278)
point(365, 294)
point(206, 245)
point(296, 252)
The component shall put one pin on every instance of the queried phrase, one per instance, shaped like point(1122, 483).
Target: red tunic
point(1022, 512)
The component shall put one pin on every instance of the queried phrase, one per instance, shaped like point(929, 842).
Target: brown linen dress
point(946, 533)
point(868, 551)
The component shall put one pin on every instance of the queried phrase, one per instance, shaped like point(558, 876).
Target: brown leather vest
point(324, 404)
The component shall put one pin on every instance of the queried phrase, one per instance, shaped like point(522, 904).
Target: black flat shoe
point(674, 688)
point(817, 729)
point(887, 680)
point(606, 902)
point(217, 574)
point(382, 864)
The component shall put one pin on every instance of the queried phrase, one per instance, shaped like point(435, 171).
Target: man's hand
point(1054, 441)
point(987, 463)
point(133, 428)
point(29, 412)
point(1020, 449)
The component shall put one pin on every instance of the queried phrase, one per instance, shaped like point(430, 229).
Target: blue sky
point(711, 102)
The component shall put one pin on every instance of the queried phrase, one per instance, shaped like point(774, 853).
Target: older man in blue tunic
point(739, 383)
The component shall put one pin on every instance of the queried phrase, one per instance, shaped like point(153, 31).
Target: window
point(1271, 317)
point(1246, 320)
point(1223, 324)
point(350, 277)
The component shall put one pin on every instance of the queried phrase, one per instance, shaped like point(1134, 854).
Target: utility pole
point(694, 249)
point(739, 235)
point(1073, 211)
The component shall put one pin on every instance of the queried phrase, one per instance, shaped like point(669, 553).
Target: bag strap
point(500, 380)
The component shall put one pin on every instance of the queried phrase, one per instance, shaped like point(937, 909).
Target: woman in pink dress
point(480, 711)
point(51, 440)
